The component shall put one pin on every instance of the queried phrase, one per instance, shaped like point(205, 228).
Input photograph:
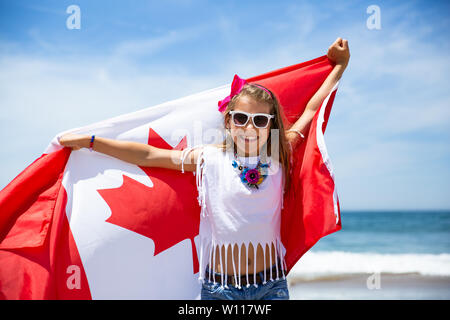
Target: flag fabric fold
point(84, 225)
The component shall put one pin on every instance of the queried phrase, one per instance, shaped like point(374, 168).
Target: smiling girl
point(240, 185)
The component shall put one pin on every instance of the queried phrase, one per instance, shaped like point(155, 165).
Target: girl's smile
point(248, 139)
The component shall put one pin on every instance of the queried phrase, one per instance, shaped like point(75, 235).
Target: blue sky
point(388, 135)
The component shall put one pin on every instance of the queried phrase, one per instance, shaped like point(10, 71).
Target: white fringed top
point(233, 213)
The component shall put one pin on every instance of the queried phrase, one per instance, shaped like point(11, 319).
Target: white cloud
point(151, 45)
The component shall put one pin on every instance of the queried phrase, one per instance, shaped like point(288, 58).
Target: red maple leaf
point(168, 212)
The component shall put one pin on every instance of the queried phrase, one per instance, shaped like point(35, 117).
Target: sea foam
point(316, 265)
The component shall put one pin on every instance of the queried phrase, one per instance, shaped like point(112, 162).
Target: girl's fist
point(339, 52)
point(74, 141)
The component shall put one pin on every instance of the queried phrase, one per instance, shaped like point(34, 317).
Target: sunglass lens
point(240, 119)
point(261, 121)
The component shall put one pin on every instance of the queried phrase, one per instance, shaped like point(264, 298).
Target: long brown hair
point(262, 96)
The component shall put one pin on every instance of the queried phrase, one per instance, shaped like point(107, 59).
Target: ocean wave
point(329, 265)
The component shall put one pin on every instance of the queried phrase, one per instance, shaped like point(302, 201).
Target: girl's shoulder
point(213, 151)
point(213, 147)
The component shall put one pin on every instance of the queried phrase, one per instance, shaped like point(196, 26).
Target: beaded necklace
point(251, 177)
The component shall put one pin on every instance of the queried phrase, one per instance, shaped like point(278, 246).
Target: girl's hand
point(75, 141)
point(339, 52)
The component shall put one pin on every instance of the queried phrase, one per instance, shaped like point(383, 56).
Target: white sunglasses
point(260, 120)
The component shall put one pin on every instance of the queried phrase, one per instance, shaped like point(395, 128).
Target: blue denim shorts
point(271, 290)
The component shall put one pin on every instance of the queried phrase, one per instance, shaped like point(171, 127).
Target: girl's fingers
point(345, 44)
point(68, 140)
point(338, 44)
point(342, 45)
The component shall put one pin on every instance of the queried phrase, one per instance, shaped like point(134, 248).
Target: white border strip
point(323, 149)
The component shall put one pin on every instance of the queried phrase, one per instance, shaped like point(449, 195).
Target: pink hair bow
point(236, 87)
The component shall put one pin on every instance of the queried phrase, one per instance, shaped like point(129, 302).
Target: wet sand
point(379, 286)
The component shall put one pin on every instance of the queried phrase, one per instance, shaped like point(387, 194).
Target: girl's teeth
point(249, 138)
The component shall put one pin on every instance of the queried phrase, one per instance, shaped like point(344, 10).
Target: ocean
point(407, 251)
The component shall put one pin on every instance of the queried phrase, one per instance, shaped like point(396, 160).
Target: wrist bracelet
point(91, 145)
point(297, 131)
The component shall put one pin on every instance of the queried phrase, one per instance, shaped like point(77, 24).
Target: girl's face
point(249, 139)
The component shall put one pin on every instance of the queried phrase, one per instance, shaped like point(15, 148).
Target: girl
point(240, 184)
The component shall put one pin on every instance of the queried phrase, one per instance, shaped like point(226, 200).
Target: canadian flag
point(84, 225)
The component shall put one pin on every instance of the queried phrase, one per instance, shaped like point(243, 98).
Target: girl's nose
point(250, 128)
point(249, 124)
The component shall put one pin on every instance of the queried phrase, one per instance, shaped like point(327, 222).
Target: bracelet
point(296, 131)
point(91, 145)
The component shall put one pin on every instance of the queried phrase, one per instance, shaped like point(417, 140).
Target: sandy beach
point(379, 286)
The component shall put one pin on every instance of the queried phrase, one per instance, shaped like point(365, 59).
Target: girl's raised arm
point(339, 53)
point(133, 152)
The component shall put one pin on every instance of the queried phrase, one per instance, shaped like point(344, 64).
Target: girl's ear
point(227, 124)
